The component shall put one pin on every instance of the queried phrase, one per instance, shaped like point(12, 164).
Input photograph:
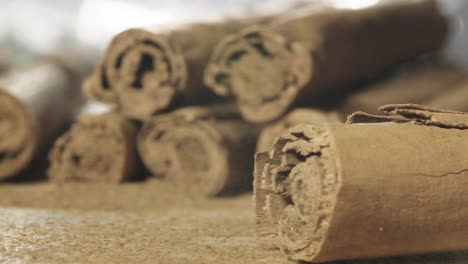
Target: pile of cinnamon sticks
point(190, 106)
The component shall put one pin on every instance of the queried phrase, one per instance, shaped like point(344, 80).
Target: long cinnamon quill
point(270, 69)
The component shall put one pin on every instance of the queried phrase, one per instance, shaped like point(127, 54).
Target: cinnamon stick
point(296, 117)
point(35, 104)
point(377, 186)
point(269, 69)
point(97, 148)
point(202, 150)
point(145, 72)
point(416, 84)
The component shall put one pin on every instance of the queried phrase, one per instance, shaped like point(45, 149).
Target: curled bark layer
point(378, 186)
point(98, 148)
point(417, 84)
point(145, 72)
point(304, 116)
point(269, 69)
point(35, 104)
point(201, 150)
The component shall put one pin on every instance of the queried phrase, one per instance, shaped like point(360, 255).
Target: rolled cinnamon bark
point(97, 148)
point(389, 185)
point(454, 99)
point(201, 150)
point(270, 69)
point(35, 104)
point(416, 84)
point(145, 71)
point(305, 116)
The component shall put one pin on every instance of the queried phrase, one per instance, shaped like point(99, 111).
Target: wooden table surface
point(137, 223)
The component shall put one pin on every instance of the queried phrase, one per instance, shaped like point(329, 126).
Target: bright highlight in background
point(98, 21)
point(352, 4)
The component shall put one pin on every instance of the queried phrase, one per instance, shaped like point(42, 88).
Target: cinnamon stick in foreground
point(307, 116)
point(97, 148)
point(415, 84)
point(35, 104)
point(378, 186)
point(206, 151)
point(145, 72)
point(269, 69)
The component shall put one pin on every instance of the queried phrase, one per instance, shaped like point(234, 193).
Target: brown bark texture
point(454, 99)
point(299, 116)
point(36, 103)
point(381, 185)
point(269, 69)
point(97, 148)
point(204, 150)
point(145, 71)
point(417, 84)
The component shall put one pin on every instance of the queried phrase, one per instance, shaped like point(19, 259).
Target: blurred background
point(29, 27)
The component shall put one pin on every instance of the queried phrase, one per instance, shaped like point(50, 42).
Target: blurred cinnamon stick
point(417, 84)
point(454, 99)
point(35, 104)
point(269, 69)
point(203, 150)
point(145, 71)
point(97, 148)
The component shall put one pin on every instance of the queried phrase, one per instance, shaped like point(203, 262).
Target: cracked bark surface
point(296, 117)
point(443, 175)
point(377, 186)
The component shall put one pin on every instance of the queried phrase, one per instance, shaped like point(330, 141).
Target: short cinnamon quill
point(97, 148)
point(203, 150)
